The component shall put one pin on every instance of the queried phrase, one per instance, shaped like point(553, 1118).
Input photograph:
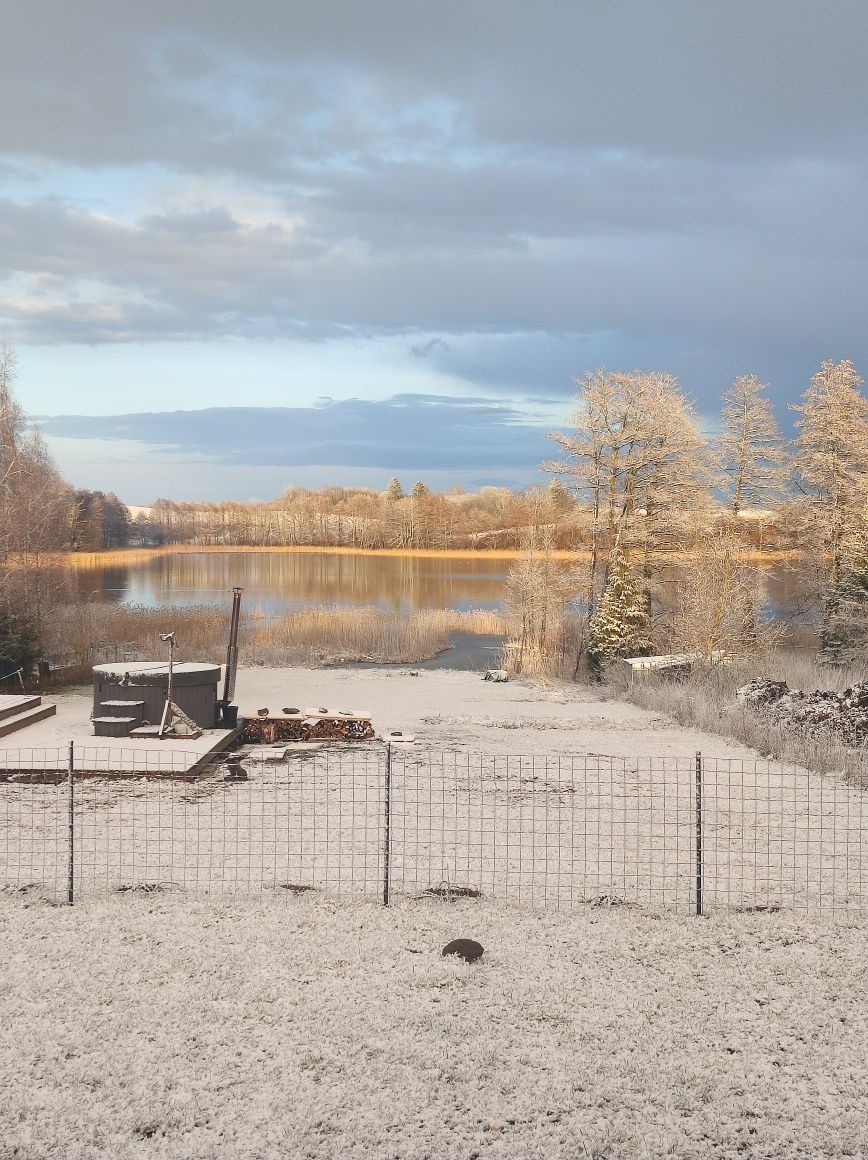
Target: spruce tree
point(620, 626)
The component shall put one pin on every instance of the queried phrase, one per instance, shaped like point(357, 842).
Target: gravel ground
point(165, 1026)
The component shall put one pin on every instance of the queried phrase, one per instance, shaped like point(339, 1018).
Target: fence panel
point(549, 830)
point(537, 829)
point(780, 838)
point(34, 831)
point(312, 822)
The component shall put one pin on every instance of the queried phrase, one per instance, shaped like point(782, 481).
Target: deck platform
point(42, 750)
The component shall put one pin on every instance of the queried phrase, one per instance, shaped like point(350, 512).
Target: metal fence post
point(699, 834)
point(387, 826)
point(70, 862)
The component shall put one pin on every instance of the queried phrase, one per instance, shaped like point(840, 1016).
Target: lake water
point(274, 582)
point(286, 581)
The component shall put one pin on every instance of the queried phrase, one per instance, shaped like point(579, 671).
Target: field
point(174, 1027)
point(224, 1016)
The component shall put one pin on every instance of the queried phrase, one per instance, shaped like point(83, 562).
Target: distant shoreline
point(86, 560)
point(136, 555)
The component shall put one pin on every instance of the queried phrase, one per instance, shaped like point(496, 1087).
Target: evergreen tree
point(394, 491)
point(418, 490)
point(19, 647)
point(620, 626)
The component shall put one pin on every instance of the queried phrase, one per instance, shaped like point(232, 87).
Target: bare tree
point(831, 461)
point(537, 591)
point(750, 448)
point(34, 511)
point(717, 603)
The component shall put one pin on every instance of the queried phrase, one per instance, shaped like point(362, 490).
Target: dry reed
point(315, 636)
point(85, 560)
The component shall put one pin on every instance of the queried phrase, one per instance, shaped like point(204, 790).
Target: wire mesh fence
point(392, 823)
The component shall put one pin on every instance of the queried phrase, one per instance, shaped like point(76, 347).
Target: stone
point(465, 948)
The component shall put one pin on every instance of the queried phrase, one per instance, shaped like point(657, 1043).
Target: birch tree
point(34, 516)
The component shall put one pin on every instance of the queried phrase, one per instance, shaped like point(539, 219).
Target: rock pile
point(844, 714)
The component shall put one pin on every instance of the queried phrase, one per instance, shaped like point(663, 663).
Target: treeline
point(652, 485)
point(493, 517)
point(636, 464)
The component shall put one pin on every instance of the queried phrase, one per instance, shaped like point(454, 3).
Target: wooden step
point(12, 704)
point(114, 726)
point(22, 720)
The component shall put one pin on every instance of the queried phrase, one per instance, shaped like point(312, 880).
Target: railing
point(391, 823)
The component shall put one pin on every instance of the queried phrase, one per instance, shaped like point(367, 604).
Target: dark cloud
point(408, 432)
point(671, 77)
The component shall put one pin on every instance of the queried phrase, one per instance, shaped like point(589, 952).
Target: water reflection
point(281, 581)
point(285, 581)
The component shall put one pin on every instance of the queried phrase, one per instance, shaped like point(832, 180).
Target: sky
point(249, 246)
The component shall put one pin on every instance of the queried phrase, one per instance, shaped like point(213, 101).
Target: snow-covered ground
point(538, 794)
point(181, 1027)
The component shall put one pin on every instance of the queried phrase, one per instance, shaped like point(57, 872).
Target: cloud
point(410, 432)
point(516, 195)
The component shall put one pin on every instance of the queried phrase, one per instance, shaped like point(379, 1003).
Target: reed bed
point(316, 636)
point(114, 556)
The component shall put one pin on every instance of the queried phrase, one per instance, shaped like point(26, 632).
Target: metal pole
point(387, 827)
point(70, 862)
point(232, 650)
point(699, 835)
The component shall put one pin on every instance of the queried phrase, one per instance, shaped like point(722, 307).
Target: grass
point(165, 1026)
point(311, 637)
point(707, 701)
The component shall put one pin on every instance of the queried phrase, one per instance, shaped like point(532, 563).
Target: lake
point(288, 581)
point(278, 581)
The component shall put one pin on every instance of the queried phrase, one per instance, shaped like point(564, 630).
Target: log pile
point(266, 727)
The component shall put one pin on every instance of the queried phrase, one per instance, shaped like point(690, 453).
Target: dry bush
point(543, 639)
point(706, 701)
point(312, 636)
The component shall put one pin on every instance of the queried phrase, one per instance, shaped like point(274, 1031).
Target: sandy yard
point(458, 711)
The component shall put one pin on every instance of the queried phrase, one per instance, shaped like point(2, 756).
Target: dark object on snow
point(451, 893)
point(761, 692)
point(290, 710)
point(262, 712)
point(235, 771)
point(465, 948)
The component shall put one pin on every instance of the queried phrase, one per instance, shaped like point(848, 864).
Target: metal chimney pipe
point(232, 650)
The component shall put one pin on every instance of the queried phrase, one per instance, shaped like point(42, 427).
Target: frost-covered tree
point(394, 491)
point(718, 603)
point(637, 462)
point(35, 511)
point(749, 447)
point(831, 461)
point(620, 626)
